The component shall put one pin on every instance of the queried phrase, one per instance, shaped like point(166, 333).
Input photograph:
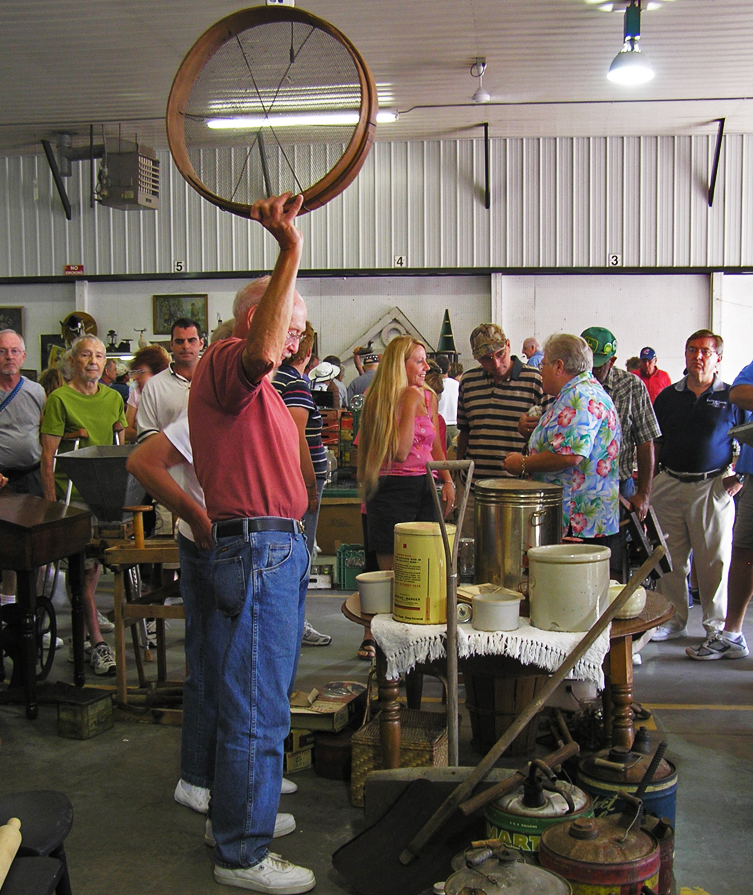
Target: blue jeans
point(206, 636)
point(260, 585)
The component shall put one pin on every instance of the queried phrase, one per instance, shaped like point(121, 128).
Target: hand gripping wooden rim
point(342, 174)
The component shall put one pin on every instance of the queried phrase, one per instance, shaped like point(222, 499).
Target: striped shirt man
point(488, 414)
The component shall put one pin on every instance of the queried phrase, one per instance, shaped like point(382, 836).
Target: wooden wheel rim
point(342, 173)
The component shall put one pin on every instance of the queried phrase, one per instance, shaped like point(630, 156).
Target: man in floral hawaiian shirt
point(577, 441)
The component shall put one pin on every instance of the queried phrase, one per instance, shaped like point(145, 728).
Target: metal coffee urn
point(512, 516)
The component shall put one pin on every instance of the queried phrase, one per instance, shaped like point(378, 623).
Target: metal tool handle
point(651, 770)
point(451, 559)
point(570, 750)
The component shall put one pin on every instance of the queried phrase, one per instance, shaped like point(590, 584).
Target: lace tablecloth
point(406, 646)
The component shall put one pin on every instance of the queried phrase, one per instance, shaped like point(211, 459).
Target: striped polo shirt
point(489, 413)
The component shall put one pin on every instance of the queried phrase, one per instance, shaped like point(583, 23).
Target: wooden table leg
point(76, 582)
point(389, 724)
point(121, 688)
point(26, 594)
point(619, 717)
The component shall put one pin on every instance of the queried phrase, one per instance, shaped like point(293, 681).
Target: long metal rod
point(715, 166)
point(451, 559)
point(52, 162)
point(460, 793)
point(487, 189)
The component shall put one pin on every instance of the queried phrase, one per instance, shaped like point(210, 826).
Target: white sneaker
point(105, 625)
point(670, 631)
point(47, 640)
point(284, 824)
point(717, 646)
point(87, 649)
point(194, 797)
point(311, 637)
point(102, 659)
point(271, 874)
point(288, 787)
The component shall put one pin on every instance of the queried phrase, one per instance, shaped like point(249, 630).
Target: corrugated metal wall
point(555, 203)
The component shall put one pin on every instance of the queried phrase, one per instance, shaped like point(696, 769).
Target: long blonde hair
point(378, 432)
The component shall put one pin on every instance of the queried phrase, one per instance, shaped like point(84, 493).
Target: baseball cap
point(647, 353)
point(601, 342)
point(486, 339)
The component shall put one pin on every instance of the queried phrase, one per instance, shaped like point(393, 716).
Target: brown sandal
point(367, 649)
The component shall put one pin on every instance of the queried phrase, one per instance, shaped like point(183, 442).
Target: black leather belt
point(243, 527)
point(693, 476)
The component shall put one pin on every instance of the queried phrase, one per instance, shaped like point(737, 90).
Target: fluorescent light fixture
point(630, 66)
point(303, 119)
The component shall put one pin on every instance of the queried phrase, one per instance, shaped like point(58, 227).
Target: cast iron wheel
point(46, 623)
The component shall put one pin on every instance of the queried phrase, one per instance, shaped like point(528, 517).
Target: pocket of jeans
point(229, 585)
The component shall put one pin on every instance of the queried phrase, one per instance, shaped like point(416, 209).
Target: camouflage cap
point(486, 339)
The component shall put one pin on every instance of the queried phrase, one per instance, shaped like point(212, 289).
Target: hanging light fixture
point(477, 71)
point(630, 65)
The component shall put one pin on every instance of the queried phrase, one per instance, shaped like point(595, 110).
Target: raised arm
point(269, 325)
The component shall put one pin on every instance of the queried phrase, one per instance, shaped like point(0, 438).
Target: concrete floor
point(131, 838)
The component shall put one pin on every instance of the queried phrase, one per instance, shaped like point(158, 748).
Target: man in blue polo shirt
point(693, 493)
point(730, 643)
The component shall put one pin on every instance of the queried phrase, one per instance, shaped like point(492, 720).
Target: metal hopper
point(99, 474)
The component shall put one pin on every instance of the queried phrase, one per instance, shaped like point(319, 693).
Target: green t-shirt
point(67, 410)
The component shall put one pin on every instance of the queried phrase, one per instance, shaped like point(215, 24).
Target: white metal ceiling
point(68, 64)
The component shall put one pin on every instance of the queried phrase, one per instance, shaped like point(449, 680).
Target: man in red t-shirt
point(246, 455)
point(653, 378)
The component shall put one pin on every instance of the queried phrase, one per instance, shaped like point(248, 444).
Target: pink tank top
point(420, 452)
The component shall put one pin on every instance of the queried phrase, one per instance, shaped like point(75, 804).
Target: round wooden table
point(618, 671)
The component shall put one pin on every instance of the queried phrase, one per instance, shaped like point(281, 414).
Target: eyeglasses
point(704, 352)
point(12, 352)
point(294, 336)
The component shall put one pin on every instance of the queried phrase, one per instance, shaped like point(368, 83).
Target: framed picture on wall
point(169, 308)
point(50, 349)
point(12, 318)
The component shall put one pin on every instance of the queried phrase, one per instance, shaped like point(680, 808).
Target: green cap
point(601, 342)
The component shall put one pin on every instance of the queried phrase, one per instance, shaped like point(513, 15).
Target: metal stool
point(46, 819)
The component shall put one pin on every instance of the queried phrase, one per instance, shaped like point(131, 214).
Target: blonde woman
point(398, 435)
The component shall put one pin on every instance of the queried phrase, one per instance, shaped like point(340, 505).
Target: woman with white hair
point(577, 441)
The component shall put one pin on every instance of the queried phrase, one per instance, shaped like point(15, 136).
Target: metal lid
point(509, 875)
point(598, 840)
point(516, 486)
point(423, 529)
point(618, 765)
point(554, 805)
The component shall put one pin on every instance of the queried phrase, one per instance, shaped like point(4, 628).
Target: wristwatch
point(740, 476)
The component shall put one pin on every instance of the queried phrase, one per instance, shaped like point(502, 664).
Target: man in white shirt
point(165, 395)
point(448, 400)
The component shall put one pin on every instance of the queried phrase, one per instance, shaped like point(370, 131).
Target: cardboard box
point(339, 523)
point(298, 740)
point(299, 761)
point(333, 709)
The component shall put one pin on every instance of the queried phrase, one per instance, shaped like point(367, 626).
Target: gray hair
point(12, 332)
point(87, 337)
point(249, 296)
point(573, 351)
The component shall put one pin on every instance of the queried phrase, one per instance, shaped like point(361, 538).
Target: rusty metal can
point(598, 855)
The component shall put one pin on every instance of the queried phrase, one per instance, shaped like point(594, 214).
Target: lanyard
point(12, 395)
